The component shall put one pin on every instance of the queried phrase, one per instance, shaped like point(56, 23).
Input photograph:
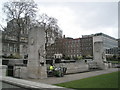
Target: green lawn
point(102, 81)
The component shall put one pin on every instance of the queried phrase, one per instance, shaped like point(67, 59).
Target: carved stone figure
point(41, 54)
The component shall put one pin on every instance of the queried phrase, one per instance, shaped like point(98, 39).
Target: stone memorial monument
point(99, 55)
point(36, 66)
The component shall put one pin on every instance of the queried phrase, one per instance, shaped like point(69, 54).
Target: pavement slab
point(71, 77)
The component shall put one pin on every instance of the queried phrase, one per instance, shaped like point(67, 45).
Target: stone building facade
point(110, 44)
point(112, 51)
point(119, 47)
point(119, 42)
point(10, 40)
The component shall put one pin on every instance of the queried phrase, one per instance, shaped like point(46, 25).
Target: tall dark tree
point(20, 13)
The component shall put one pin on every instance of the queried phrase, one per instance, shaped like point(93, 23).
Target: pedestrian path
point(71, 77)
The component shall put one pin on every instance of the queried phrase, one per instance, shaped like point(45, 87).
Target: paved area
point(71, 77)
point(11, 83)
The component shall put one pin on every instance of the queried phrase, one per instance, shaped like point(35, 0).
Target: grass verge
point(101, 81)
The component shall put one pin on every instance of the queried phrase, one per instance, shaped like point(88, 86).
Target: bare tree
point(22, 14)
point(51, 29)
point(19, 14)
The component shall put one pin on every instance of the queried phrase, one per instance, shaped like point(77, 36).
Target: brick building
point(68, 47)
point(87, 45)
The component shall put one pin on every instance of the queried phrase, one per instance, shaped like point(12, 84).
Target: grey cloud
point(92, 15)
point(105, 14)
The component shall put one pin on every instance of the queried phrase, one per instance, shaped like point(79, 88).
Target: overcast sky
point(83, 18)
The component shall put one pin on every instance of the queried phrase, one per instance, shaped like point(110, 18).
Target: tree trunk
point(18, 36)
point(46, 42)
